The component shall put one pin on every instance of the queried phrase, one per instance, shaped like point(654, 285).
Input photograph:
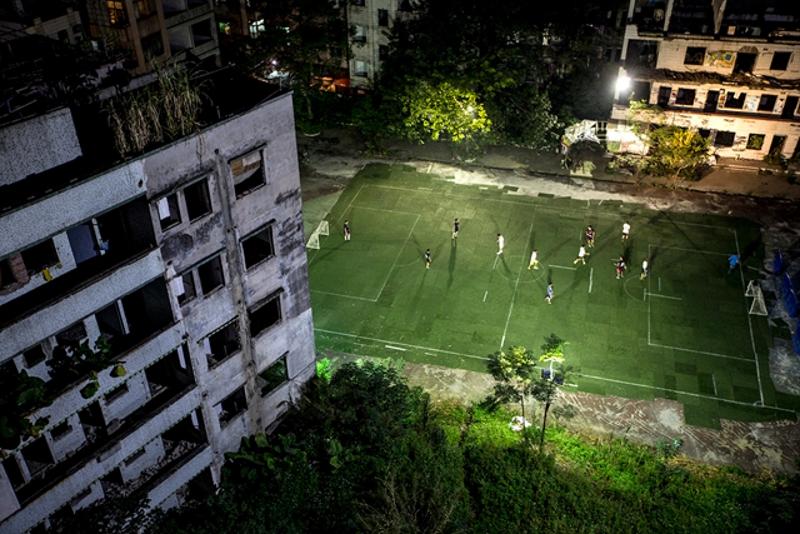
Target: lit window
point(116, 12)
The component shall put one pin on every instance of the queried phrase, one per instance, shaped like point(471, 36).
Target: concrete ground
point(771, 200)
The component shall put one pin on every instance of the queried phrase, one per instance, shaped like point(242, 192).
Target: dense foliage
point(366, 453)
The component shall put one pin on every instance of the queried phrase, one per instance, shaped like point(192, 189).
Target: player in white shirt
point(626, 231)
point(645, 269)
point(581, 256)
point(534, 263)
point(501, 243)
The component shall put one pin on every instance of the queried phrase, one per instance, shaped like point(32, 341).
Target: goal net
point(313, 241)
point(323, 228)
point(758, 307)
point(752, 288)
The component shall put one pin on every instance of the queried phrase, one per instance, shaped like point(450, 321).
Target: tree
point(676, 152)
point(442, 111)
point(515, 371)
point(545, 387)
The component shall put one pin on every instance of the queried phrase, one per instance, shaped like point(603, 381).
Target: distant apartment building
point(188, 263)
point(56, 19)
point(154, 30)
point(727, 68)
point(370, 24)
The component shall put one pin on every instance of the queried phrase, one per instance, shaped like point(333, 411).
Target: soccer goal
point(313, 241)
point(752, 288)
point(323, 228)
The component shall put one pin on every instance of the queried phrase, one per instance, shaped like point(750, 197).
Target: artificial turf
point(682, 333)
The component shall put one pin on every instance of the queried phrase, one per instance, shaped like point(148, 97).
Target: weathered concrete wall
point(36, 145)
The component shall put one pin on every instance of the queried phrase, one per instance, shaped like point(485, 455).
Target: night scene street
point(399, 266)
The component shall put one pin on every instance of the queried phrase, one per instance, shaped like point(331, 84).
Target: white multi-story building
point(728, 68)
point(189, 262)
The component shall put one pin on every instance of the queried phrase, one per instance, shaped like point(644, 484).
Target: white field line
point(399, 253)
point(707, 353)
point(396, 348)
point(485, 294)
point(563, 267)
point(494, 264)
point(387, 210)
point(714, 382)
point(516, 285)
point(644, 294)
point(659, 295)
point(395, 343)
point(659, 284)
point(697, 250)
point(591, 278)
point(649, 283)
point(696, 395)
point(343, 295)
point(749, 321)
point(430, 166)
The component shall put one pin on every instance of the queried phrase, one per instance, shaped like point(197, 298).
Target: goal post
point(323, 228)
point(313, 241)
point(752, 289)
point(758, 307)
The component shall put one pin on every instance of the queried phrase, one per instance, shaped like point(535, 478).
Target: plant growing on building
point(88, 391)
point(19, 395)
point(119, 370)
point(324, 369)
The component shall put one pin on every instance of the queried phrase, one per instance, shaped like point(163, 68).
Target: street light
point(623, 83)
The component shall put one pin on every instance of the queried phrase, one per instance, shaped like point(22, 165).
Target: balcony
point(45, 320)
point(105, 449)
point(179, 11)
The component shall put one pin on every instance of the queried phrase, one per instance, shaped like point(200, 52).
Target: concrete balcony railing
point(82, 302)
point(172, 479)
point(175, 18)
point(66, 480)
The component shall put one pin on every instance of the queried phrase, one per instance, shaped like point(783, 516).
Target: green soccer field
point(682, 333)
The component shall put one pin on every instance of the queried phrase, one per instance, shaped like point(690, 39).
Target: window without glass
point(72, 335)
point(248, 173)
point(383, 17)
point(231, 406)
point(116, 393)
point(695, 55)
point(755, 141)
point(61, 430)
point(780, 61)
point(274, 376)
point(197, 200)
point(735, 100)
point(724, 139)
point(40, 256)
point(767, 102)
point(168, 213)
point(358, 2)
point(211, 275)
point(187, 285)
point(265, 315)
point(257, 247)
point(34, 356)
point(359, 34)
point(153, 45)
point(361, 68)
point(685, 97)
point(223, 343)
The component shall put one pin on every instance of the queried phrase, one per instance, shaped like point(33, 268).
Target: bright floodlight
point(623, 83)
point(470, 110)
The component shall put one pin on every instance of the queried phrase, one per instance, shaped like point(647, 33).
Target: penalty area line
point(396, 343)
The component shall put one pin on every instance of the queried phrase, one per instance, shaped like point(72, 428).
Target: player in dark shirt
point(428, 259)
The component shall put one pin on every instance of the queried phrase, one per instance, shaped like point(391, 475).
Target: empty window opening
point(211, 275)
point(61, 430)
point(223, 343)
point(72, 336)
point(198, 202)
point(40, 256)
point(685, 97)
point(755, 141)
point(171, 373)
point(735, 100)
point(231, 406)
point(265, 315)
point(780, 61)
point(168, 212)
point(664, 94)
point(744, 62)
point(185, 289)
point(34, 356)
point(13, 472)
point(257, 247)
point(135, 456)
point(383, 17)
point(695, 55)
point(248, 173)
point(115, 393)
point(37, 456)
point(273, 376)
point(767, 102)
point(724, 139)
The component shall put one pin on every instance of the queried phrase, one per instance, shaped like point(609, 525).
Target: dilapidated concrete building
point(727, 68)
point(186, 263)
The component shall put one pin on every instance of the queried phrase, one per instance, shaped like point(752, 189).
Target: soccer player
point(549, 293)
point(626, 231)
point(346, 230)
point(619, 267)
point(456, 228)
point(589, 235)
point(581, 256)
point(428, 259)
point(534, 263)
point(501, 243)
point(733, 261)
point(645, 271)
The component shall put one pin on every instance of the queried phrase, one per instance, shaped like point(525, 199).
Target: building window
point(359, 34)
point(755, 141)
point(185, 289)
point(265, 315)
point(116, 12)
point(360, 3)
point(198, 202)
point(724, 139)
point(248, 173)
point(361, 68)
point(258, 247)
point(685, 97)
point(144, 8)
point(383, 17)
point(115, 393)
point(211, 275)
point(274, 376)
point(767, 102)
point(383, 52)
point(153, 45)
point(168, 213)
point(231, 406)
point(72, 336)
point(138, 453)
point(61, 430)
point(34, 356)
point(735, 100)
point(257, 27)
point(780, 61)
point(39, 257)
point(223, 344)
point(695, 55)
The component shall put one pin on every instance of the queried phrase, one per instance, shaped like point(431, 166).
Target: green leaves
point(442, 111)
